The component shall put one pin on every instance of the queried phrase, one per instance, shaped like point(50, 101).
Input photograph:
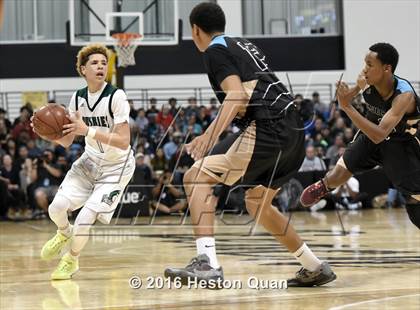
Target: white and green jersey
point(102, 110)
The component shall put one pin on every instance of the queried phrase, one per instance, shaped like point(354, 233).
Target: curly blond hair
point(86, 51)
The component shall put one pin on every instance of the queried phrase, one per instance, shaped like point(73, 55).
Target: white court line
point(370, 301)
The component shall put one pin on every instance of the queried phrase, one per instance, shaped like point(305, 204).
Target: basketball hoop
point(125, 47)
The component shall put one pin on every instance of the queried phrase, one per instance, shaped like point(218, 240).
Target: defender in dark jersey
point(262, 156)
point(388, 135)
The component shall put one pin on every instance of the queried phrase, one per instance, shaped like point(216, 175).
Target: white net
point(125, 49)
point(125, 55)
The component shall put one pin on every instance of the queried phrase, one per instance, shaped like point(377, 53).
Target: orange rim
point(125, 38)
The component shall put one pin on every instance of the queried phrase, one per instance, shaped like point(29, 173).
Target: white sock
point(306, 258)
point(67, 231)
point(58, 209)
point(207, 245)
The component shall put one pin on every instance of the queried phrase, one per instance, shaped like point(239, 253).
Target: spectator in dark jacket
point(14, 201)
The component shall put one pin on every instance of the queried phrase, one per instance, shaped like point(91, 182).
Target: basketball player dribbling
point(388, 136)
point(262, 156)
point(97, 180)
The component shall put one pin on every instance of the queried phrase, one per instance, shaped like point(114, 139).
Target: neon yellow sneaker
point(67, 267)
point(53, 247)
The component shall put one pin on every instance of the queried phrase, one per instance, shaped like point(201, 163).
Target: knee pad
point(413, 211)
point(59, 204)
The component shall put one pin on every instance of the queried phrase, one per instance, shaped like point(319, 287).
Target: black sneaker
point(306, 278)
point(198, 270)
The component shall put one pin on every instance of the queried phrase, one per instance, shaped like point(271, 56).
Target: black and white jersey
point(102, 110)
point(227, 56)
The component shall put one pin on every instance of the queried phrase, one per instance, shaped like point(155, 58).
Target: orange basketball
point(49, 120)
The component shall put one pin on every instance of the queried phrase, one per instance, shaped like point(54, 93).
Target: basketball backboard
point(94, 21)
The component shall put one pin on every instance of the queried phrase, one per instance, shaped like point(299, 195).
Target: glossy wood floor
point(377, 262)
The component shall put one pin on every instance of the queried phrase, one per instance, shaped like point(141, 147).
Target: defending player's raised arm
point(402, 104)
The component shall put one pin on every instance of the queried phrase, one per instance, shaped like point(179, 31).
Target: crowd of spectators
point(32, 168)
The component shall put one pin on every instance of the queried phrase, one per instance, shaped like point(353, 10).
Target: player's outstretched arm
point(236, 99)
point(402, 104)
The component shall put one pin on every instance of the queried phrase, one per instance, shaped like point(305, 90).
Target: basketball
point(49, 120)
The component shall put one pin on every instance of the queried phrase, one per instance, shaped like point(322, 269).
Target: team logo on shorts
point(109, 199)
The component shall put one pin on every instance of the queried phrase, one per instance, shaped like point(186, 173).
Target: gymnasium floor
point(377, 262)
